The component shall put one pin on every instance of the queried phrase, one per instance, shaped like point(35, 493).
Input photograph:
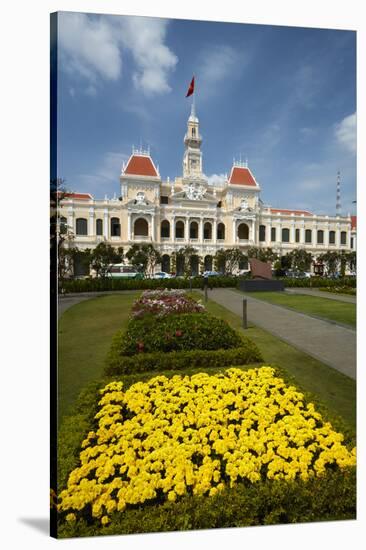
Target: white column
point(186, 230)
point(152, 230)
point(338, 236)
point(292, 233)
point(70, 219)
point(302, 234)
point(129, 235)
point(214, 229)
point(268, 234)
point(172, 228)
point(326, 236)
point(91, 222)
point(200, 231)
point(234, 231)
point(106, 224)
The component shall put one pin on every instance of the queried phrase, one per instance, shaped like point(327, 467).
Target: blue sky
point(282, 97)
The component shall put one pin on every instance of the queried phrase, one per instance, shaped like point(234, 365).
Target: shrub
point(272, 496)
point(106, 285)
point(186, 331)
point(179, 360)
point(318, 282)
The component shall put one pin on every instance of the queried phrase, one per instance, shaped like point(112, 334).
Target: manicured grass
point(85, 334)
point(333, 310)
point(334, 389)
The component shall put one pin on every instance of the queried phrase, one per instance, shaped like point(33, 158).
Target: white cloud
point(88, 47)
point(92, 48)
point(145, 37)
point(216, 180)
point(345, 133)
point(216, 64)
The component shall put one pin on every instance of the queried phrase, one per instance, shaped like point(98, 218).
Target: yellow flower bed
point(169, 437)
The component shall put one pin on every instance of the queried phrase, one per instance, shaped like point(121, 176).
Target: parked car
point(122, 271)
point(211, 274)
point(161, 275)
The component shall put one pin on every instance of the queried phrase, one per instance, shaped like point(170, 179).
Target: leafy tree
point(352, 260)
point(262, 254)
point(103, 255)
point(220, 261)
point(233, 258)
point(300, 260)
point(331, 261)
point(144, 257)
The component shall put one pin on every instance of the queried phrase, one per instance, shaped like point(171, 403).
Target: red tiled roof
point(241, 176)
point(353, 222)
point(78, 196)
point(296, 212)
point(141, 166)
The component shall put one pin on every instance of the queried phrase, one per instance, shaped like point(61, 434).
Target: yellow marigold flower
point(70, 518)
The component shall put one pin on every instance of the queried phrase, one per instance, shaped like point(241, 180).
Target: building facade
point(189, 212)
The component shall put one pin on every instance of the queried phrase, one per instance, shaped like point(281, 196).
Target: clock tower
point(192, 159)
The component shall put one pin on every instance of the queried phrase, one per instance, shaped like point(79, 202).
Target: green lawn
point(86, 331)
point(85, 334)
point(333, 310)
point(334, 389)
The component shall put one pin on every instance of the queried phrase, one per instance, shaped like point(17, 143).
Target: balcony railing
point(143, 238)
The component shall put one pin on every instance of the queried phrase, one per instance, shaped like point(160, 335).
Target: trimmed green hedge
point(328, 498)
point(178, 360)
point(103, 285)
point(177, 332)
point(317, 282)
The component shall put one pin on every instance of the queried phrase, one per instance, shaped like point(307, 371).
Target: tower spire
point(338, 200)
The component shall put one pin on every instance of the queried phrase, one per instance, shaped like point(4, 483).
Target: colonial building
point(190, 212)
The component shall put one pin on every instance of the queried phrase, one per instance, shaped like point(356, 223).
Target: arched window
point(308, 236)
point(297, 235)
point(179, 230)
point(221, 231)
point(63, 225)
point(193, 230)
point(99, 227)
point(193, 132)
point(165, 263)
point(194, 264)
point(262, 233)
point(320, 236)
point(273, 234)
point(141, 228)
point(208, 263)
point(115, 227)
point(243, 231)
point(285, 235)
point(343, 237)
point(81, 226)
point(331, 237)
point(165, 230)
point(207, 231)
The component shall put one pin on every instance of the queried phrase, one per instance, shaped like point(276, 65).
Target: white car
point(161, 275)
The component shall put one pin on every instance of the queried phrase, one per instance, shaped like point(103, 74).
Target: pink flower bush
point(165, 302)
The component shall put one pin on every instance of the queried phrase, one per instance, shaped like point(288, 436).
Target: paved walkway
point(329, 343)
point(319, 293)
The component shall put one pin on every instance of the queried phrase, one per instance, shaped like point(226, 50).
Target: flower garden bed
point(244, 441)
point(165, 302)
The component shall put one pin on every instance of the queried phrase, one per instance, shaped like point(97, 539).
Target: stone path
point(329, 343)
point(320, 294)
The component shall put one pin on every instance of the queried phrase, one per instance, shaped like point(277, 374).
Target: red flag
point(191, 88)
